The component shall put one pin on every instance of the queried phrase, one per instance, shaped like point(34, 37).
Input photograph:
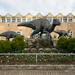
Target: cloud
point(36, 6)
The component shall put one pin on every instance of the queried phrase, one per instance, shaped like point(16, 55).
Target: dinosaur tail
point(27, 24)
point(58, 32)
point(1, 34)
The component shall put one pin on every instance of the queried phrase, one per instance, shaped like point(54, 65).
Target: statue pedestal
point(45, 41)
point(40, 43)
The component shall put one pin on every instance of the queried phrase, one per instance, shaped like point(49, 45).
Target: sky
point(37, 6)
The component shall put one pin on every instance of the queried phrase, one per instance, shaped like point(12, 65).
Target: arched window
point(74, 19)
point(70, 24)
point(50, 19)
point(8, 20)
point(18, 20)
point(70, 20)
point(60, 19)
point(13, 20)
point(64, 19)
point(29, 19)
point(8, 25)
point(23, 20)
point(3, 19)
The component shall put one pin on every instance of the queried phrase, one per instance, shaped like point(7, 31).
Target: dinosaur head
point(69, 33)
point(56, 22)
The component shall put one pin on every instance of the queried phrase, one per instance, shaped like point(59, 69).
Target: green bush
point(5, 46)
point(62, 43)
point(18, 44)
point(71, 45)
point(68, 45)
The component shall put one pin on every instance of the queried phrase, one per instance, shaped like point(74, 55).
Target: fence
point(38, 54)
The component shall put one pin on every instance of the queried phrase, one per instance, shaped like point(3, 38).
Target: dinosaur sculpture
point(64, 33)
point(40, 25)
point(9, 34)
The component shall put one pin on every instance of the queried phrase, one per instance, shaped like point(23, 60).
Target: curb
point(37, 67)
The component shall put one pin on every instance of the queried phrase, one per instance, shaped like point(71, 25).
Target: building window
point(73, 19)
point(23, 20)
point(60, 19)
point(3, 20)
point(13, 20)
point(18, 20)
point(50, 19)
point(70, 20)
point(70, 24)
point(8, 20)
point(28, 20)
point(64, 19)
point(8, 25)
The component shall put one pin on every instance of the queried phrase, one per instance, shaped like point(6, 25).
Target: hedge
point(16, 45)
point(66, 44)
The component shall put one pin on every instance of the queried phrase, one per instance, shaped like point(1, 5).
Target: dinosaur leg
point(45, 30)
point(47, 33)
point(41, 34)
point(51, 42)
point(35, 32)
point(7, 38)
point(59, 36)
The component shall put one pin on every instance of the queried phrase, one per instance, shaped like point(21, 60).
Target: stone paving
point(37, 72)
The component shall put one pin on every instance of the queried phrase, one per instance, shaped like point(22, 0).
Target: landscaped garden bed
point(40, 59)
point(41, 50)
point(16, 52)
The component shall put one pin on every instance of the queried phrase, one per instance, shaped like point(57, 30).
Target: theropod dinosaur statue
point(64, 33)
point(9, 34)
point(40, 25)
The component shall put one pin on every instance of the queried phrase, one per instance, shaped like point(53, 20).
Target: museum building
point(9, 22)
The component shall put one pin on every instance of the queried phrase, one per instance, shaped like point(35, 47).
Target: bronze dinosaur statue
point(40, 25)
point(64, 33)
point(9, 34)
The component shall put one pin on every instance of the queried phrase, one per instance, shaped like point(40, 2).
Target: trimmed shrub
point(5, 46)
point(71, 45)
point(66, 45)
point(62, 43)
point(18, 44)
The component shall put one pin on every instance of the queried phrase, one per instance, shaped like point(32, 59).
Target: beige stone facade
point(9, 22)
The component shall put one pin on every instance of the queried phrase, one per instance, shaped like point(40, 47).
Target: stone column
point(5, 19)
point(0, 19)
point(52, 20)
point(21, 19)
point(16, 19)
point(67, 19)
point(11, 19)
point(62, 19)
point(26, 19)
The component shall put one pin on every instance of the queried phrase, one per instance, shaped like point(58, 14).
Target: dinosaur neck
point(51, 28)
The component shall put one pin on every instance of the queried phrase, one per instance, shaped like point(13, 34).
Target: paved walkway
point(37, 72)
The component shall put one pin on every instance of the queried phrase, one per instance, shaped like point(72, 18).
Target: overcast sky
point(37, 6)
